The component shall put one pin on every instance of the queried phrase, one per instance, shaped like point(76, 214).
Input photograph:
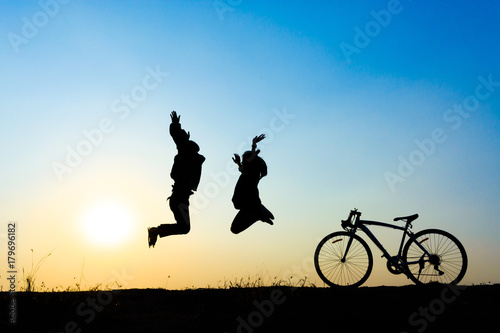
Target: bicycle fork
point(349, 242)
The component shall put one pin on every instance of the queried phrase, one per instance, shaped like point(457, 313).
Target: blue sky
point(338, 126)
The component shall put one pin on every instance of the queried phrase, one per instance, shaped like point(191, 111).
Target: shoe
point(267, 220)
point(152, 236)
point(266, 215)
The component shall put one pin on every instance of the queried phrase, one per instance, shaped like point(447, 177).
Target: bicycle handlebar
point(349, 222)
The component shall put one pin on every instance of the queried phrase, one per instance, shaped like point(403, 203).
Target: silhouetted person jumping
point(246, 194)
point(186, 173)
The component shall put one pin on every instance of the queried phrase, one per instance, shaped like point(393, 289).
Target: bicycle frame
point(362, 224)
point(344, 259)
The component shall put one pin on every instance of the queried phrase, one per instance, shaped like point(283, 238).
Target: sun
point(107, 223)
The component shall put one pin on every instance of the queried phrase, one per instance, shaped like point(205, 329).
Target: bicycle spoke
point(447, 261)
point(344, 259)
point(330, 267)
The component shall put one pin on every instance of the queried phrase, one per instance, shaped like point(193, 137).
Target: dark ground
point(434, 308)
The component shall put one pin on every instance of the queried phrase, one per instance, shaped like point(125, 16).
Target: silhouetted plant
point(29, 279)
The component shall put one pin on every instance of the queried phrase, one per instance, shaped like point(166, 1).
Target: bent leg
point(179, 204)
point(244, 219)
point(266, 215)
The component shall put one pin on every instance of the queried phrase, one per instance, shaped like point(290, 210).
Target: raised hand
point(175, 118)
point(236, 159)
point(258, 139)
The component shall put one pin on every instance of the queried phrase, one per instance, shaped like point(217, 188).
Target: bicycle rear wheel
point(352, 272)
point(446, 262)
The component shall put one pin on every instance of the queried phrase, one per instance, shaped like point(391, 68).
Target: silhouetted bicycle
point(432, 255)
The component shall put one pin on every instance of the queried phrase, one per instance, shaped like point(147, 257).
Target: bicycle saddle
point(407, 218)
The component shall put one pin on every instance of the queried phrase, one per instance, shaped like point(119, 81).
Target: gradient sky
point(390, 107)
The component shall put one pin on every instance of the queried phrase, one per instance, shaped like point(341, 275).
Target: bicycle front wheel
point(444, 262)
point(351, 272)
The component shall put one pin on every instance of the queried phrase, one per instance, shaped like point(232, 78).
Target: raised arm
point(178, 134)
point(176, 119)
point(256, 140)
point(237, 160)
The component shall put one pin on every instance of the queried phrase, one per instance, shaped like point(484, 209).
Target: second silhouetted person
point(246, 193)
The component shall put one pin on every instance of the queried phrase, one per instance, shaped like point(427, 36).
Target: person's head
point(193, 147)
point(252, 161)
point(249, 156)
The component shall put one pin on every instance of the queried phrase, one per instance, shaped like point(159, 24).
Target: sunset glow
point(391, 107)
point(107, 223)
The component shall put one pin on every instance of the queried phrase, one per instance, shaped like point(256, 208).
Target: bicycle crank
point(394, 268)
